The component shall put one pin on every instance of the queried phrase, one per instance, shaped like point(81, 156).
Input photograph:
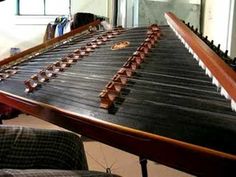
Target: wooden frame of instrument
point(221, 71)
point(187, 157)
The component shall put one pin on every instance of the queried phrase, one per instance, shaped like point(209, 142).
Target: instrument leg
point(143, 163)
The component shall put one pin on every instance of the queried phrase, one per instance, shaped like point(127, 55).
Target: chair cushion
point(30, 148)
point(51, 173)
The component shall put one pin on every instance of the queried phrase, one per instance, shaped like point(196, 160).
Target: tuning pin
point(226, 53)
point(206, 39)
point(30, 86)
point(212, 44)
point(218, 47)
point(188, 24)
point(192, 27)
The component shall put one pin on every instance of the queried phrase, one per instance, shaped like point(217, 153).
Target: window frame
point(18, 8)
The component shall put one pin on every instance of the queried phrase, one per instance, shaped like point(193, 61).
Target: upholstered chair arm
point(30, 148)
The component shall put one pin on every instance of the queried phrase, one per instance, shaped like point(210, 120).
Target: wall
point(232, 34)
point(152, 11)
point(98, 7)
point(26, 32)
point(146, 12)
point(217, 23)
point(18, 32)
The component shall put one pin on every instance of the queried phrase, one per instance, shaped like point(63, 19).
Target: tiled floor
point(100, 156)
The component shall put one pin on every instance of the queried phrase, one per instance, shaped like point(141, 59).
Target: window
point(43, 7)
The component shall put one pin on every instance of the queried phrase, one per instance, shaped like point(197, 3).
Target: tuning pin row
point(222, 54)
point(113, 88)
point(119, 80)
point(8, 73)
point(49, 72)
point(195, 30)
point(216, 49)
point(101, 40)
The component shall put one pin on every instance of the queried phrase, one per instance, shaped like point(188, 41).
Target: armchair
point(42, 153)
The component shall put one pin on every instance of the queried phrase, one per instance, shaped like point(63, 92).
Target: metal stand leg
point(143, 163)
point(1, 117)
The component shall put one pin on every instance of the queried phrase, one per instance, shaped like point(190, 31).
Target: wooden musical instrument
point(139, 89)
